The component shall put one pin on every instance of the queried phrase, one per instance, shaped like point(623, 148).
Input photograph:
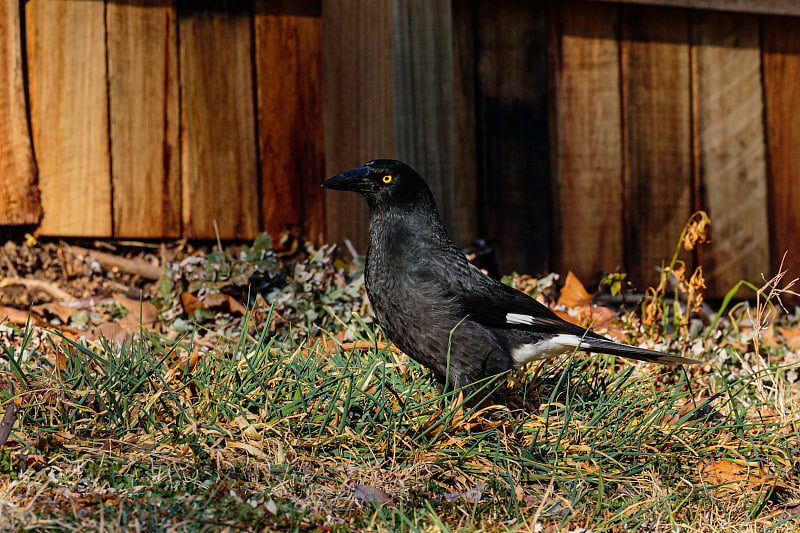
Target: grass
point(266, 432)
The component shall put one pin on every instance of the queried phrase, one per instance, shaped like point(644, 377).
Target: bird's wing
point(497, 305)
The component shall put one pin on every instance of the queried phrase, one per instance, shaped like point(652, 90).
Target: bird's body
point(439, 308)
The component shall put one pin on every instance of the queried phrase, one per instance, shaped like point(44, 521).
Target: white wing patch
point(515, 318)
point(545, 349)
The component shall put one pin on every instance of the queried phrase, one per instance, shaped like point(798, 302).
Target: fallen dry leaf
point(191, 303)
point(370, 494)
point(573, 293)
point(218, 301)
point(63, 312)
point(732, 476)
point(139, 312)
point(791, 336)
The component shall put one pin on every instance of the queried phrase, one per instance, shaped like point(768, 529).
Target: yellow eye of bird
point(387, 178)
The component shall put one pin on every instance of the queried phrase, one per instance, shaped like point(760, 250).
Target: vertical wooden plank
point(781, 67)
point(19, 193)
point(465, 162)
point(69, 115)
point(730, 147)
point(423, 103)
point(512, 125)
point(359, 102)
point(586, 139)
point(288, 39)
point(656, 103)
point(218, 139)
point(143, 112)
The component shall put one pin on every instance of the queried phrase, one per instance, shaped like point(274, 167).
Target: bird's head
point(384, 183)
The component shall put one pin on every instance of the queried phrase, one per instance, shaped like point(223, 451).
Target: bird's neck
point(406, 232)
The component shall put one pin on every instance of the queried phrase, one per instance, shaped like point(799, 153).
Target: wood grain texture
point(586, 139)
point(781, 68)
point(656, 135)
point(69, 115)
point(512, 132)
point(144, 118)
point(465, 162)
point(765, 7)
point(423, 101)
point(19, 192)
point(218, 130)
point(288, 38)
point(359, 103)
point(730, 148)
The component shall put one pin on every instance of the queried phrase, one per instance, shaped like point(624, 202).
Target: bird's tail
point(632, 352)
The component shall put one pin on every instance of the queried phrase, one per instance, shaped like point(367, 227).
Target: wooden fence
point(576, 135)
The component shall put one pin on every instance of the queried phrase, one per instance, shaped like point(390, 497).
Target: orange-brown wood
point(586, 139)
point(218, 140)
point(359, 103)
point(729, 141)
point(656, 136)
point(69, 115)
point(781, 57)
point(288, 60)
point(19, 192)
point(144, 118)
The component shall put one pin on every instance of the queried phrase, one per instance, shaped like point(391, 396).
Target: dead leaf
point(217, 301)
point(139, 312)
point(791, 336)
point(20, 317)
point(573, 293)
point(113, 331)
point(370, 494)
point(63, 312)
point(191, 303)
point(733, 476)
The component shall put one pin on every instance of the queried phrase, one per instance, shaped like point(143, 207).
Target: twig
point(38, 284)
point(132, 266)
point(8, 422)
point(216, 232)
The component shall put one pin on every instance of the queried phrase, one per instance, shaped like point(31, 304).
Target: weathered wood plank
point(423, 102)
point(288, 38)
point(218, 131)
point(656, 135)
point(359, 102)
point(144, 117)
point(586, 139)
point(781, 68)
point(19, 192)
point(730, 147)
point(465, 162)
point(512, 139)
point(765, 7)
point(69, 115)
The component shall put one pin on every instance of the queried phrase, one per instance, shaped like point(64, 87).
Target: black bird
point(439, 308)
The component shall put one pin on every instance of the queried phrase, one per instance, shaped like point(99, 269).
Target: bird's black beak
point(350, 180)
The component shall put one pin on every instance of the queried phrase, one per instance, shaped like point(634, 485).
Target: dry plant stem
point(133, 266)
point(39, 285)
point(769, 292)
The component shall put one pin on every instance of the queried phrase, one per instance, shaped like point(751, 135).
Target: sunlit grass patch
point(275, 432)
